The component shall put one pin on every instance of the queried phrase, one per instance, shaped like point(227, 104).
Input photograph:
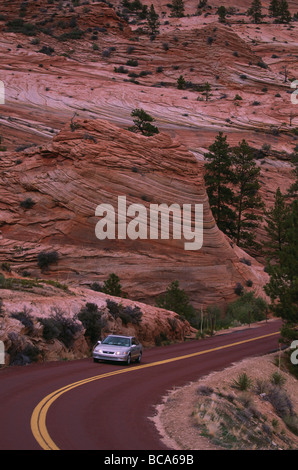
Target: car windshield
point(116, 341)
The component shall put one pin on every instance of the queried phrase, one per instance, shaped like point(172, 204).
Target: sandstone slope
point(94, 164)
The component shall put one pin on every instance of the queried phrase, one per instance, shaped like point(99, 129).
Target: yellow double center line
point(38, 418)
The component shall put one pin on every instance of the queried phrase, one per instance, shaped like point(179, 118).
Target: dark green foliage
point(131, 314)
point(243, 382)
point(45, 258)
point(246, 200)
point(112, 286)
point(218, 177)
point(47, 50)
point(76, 33)
point(177, 8)
point(255, 11)
point(60, 326)
point(91, 318)
point(283, 285)
point(127, 314)
point(27, 203)
point(153, 20)
point(279, 9)
point(276, 225)
point(25, 318)
point(176, 300)
point(181, 83)
point(247, 308)
point(274, 8)
point(142, 123)
point(222, 12)
point(19, 26)
point(21, 351)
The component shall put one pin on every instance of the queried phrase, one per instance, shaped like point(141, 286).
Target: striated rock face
point(91, 162)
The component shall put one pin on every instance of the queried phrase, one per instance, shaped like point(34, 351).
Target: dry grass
point(214, 413)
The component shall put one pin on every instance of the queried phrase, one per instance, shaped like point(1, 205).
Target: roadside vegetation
point(246, 309)
point(247, 413)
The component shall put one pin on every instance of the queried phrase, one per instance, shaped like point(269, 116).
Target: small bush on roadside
point(247, 309)
point(25, 318)
point(91, 318)
point(243, 382)
point(61, 327)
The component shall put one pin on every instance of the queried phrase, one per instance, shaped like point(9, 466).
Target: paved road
point(81, 405)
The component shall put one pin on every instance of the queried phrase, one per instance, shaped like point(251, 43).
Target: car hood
point(111, 348)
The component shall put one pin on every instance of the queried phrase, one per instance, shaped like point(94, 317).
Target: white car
point(118, 348)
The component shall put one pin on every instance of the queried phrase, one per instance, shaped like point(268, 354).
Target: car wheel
point(128, 359)
point(95, 360)
point(139, 358)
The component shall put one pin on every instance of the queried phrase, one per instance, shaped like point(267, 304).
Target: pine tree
point(293, 191)
point(274, 8)
point(246, 199)
point(112, 286)
point(218, 176)
point(284, 13)
point(181, 82)
point(276, 225)
point(207, 93)
point(283, 285)
point(177, 8)
point(222, 12)
point(142, 123)
point(255, 11)
point(176, 300)
point(153, 20)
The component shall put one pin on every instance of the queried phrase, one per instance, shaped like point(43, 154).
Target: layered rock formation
point(91, 162)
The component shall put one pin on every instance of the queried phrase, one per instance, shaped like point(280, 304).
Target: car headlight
point(98, 350)
point(121, 353)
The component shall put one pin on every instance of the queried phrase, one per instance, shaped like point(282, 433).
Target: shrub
point(21, 351)
point(6, 267)
point(131, 315)
point(18, 25)
point(238, 288)
point(27, 203)
point(91, 318)
point(47, 50)
point(132, 63)
point(74, 34)
point(280, 401)
point(176, 300)
point(44, 259)
point(120, 69)
point(277, 379)
point(113, 308)
point(96, 287)
point(25, 318)
point(204, 390)
point(243, 382)
point(112, 286)
point(247, 308)
point(61, 327)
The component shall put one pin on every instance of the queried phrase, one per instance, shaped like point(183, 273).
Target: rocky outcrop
point(91, 162)
point(22, 331)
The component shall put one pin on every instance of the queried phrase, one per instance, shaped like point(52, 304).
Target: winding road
point(81, 405)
